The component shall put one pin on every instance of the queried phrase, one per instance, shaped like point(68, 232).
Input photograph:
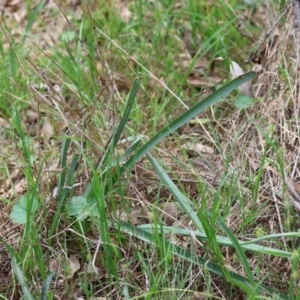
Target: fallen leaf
point(31, 115)
point(204, 81)
point(64, 268)
point(90, 269)
point(123, 84)
point(47, 129)
point(295, 185)
point(198, 147)
point(74, 265)
point(4, 123)
point(254, 164)
point(236, 71)
point(2, 5)
point(125, 14)
point(170, 212)
point(18, 9)
point(199, 121)
point(19, 188)
point(203, 148)
point(92, 272)
point(60, 127)
point(55, 266)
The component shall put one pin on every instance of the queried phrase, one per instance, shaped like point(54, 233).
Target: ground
point(149, 150)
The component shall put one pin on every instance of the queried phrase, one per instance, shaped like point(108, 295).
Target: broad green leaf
point(243, 102)
point(19, 211)
point(76, 205)
point(68, 36)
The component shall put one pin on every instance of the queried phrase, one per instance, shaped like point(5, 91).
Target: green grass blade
point(273, 236)
point(127, 112)
point(46, 286)
point(64, 189)
point(181, 199)
point(184, 202)
point(26, 147)
point(63, 161)
point(132, 147)
point(31, 18)
point(127, 153)
point(119, 130)
point(188, 115)
point(294, 273)
point(71, 175)
point(237, 279)
point(19, 273)
point(224, 241)
point(239, 251)
point(123, 121)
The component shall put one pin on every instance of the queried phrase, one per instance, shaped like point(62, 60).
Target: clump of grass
point(98, 189)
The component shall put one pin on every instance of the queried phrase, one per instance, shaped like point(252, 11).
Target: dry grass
point(248, 158)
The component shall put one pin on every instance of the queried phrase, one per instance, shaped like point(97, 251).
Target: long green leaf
point(294, 270)
point(126, 154)
point(63, 161)
point(237, 279)
point(224, 241)
point(188, 115)
point(65, 186)
point(273, 236)
point(46, 286)
point(21, 278)
point(17, 269)
point(181, 199)
point(239, 252)
point(127, 112)
point(119, 130)
point(249, 284)
point(32, 18)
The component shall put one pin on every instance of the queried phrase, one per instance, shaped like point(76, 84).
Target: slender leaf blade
point(125, 117)
point(21, 278)
point(116, 136)
point(239, 251)
point(235, 278)
point(224, 241)
point(188, 115)
point(46, 286)
point(181, 199)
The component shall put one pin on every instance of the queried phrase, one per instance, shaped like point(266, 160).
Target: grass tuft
point(131, 164)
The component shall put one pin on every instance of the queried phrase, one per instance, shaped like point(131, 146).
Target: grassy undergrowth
point(128, 169)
